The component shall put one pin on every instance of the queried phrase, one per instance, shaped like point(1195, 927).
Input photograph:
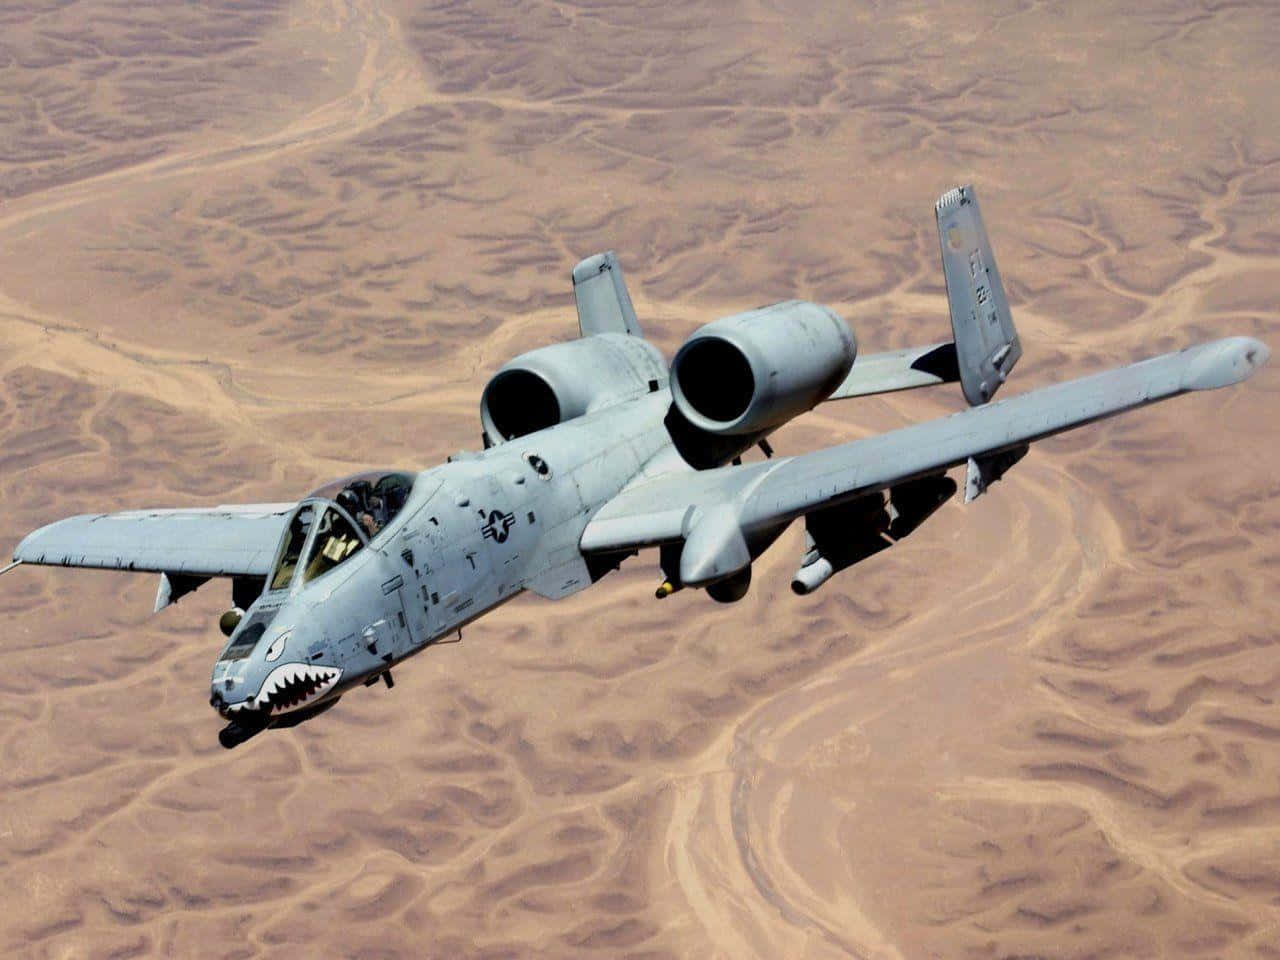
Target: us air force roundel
point(499, 526)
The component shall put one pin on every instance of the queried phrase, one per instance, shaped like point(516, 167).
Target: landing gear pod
point(731, 589)
point(715, 549)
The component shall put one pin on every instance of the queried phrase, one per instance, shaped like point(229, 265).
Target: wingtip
point(25, 551)
point(1258, 354)
point(1224, 362)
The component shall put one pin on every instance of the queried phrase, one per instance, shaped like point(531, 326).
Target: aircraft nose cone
point(218, 699)
point(227, 693)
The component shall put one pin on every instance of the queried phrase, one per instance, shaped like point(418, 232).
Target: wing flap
point(773, 492)
point(215, 542)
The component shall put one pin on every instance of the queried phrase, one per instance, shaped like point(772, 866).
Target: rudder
point(987, 344)
point(604, 306)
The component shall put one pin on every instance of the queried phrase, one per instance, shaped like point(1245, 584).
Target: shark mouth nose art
point(290, 686)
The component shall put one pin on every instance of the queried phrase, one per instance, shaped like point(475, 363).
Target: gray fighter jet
point(596, 449)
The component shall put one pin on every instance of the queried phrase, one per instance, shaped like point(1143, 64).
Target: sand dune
point(248, 246)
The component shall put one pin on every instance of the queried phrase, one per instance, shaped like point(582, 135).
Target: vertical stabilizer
point(987, 344)
point(604, 306)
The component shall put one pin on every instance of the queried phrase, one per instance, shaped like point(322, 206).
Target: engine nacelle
point(553, 384)
point(754, 371)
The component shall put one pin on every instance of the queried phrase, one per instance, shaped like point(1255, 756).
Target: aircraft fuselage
point(476, 531)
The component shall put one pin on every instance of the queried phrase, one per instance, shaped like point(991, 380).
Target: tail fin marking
point(987, 344)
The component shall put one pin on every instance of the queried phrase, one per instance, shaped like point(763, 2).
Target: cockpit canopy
point(336, 521)
point(373, 499)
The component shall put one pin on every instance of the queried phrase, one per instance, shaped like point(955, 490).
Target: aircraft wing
point(197, 543)
point(761, 496)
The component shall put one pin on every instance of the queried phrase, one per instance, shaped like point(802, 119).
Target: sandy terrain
point(248, 245)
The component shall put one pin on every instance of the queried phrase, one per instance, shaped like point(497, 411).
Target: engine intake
point(520, 402)
point(544, 387)
point(754, 371)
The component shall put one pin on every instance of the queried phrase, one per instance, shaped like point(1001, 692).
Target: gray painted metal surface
point(216, 542)
point(904, 369)
point(590, 460)
point(987, 344)
point(659, 510)
point(604, 305)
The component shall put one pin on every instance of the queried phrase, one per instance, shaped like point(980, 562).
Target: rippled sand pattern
point(247, 246)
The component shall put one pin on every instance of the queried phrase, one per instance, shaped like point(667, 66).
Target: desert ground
point(250, 245)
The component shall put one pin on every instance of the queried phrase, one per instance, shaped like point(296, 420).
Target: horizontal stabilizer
point(604, 305)
point(987, 344)
point(899, 370)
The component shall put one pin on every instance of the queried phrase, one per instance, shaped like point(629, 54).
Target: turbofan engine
point(754, 371)
point(553, 384)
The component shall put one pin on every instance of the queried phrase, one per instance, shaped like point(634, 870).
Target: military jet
point(595, 449)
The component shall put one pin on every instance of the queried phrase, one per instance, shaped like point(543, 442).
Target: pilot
point(349, 502)
point(395, 496)
point(360, 490)
point(372, 518)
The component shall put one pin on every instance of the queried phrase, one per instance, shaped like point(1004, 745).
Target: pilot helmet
point(348, 501)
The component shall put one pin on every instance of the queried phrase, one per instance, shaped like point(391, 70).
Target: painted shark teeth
point(293, 685)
